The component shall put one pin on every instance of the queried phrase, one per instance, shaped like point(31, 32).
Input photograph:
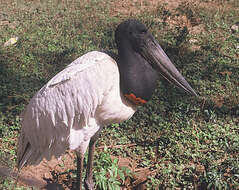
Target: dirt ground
point(52, 174)
point(55, 174)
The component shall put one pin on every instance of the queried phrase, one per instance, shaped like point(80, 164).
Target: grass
point(187, 143)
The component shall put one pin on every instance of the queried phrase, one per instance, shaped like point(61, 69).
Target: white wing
point(65, 104)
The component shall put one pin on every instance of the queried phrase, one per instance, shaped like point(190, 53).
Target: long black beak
point(158, 59)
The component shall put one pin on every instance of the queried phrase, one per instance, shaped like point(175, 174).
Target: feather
point(71, 108)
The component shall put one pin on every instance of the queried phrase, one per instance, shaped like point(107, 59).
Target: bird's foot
point(89, 184)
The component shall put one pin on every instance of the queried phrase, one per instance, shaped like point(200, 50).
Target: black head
point(134, 32)
point(133, 37)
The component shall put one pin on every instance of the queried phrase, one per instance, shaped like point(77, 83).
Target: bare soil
point(54, 174)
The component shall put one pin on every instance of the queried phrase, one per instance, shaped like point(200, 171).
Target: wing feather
point(66, 102)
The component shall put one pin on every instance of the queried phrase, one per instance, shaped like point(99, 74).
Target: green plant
point(107, 173)
point(187, 143)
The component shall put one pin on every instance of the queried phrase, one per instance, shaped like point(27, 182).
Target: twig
point(117, 146)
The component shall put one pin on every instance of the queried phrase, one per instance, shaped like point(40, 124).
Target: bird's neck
point(137, 78)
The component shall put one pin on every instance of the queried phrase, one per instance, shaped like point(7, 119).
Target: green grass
point(187, 142)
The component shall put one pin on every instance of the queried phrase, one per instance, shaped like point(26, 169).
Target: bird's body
point(72, 107)
point(92, 92)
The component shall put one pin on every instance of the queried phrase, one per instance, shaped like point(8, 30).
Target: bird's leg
point(80, 161)
point(89, 184)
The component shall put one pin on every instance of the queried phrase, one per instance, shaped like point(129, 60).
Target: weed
point(107, 173)
point(187, 143)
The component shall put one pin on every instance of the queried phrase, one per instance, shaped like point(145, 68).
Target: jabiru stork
point(94, 91)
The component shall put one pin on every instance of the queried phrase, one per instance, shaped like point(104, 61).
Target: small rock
point(11, 41)
point(234, 28)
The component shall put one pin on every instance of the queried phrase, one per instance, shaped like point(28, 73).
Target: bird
point(94, 91)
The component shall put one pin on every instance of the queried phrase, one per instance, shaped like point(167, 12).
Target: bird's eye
point(143, 31)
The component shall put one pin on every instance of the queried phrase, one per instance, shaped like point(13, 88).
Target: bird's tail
point(24, 151)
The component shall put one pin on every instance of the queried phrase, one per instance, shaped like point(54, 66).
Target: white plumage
point(71, 108)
